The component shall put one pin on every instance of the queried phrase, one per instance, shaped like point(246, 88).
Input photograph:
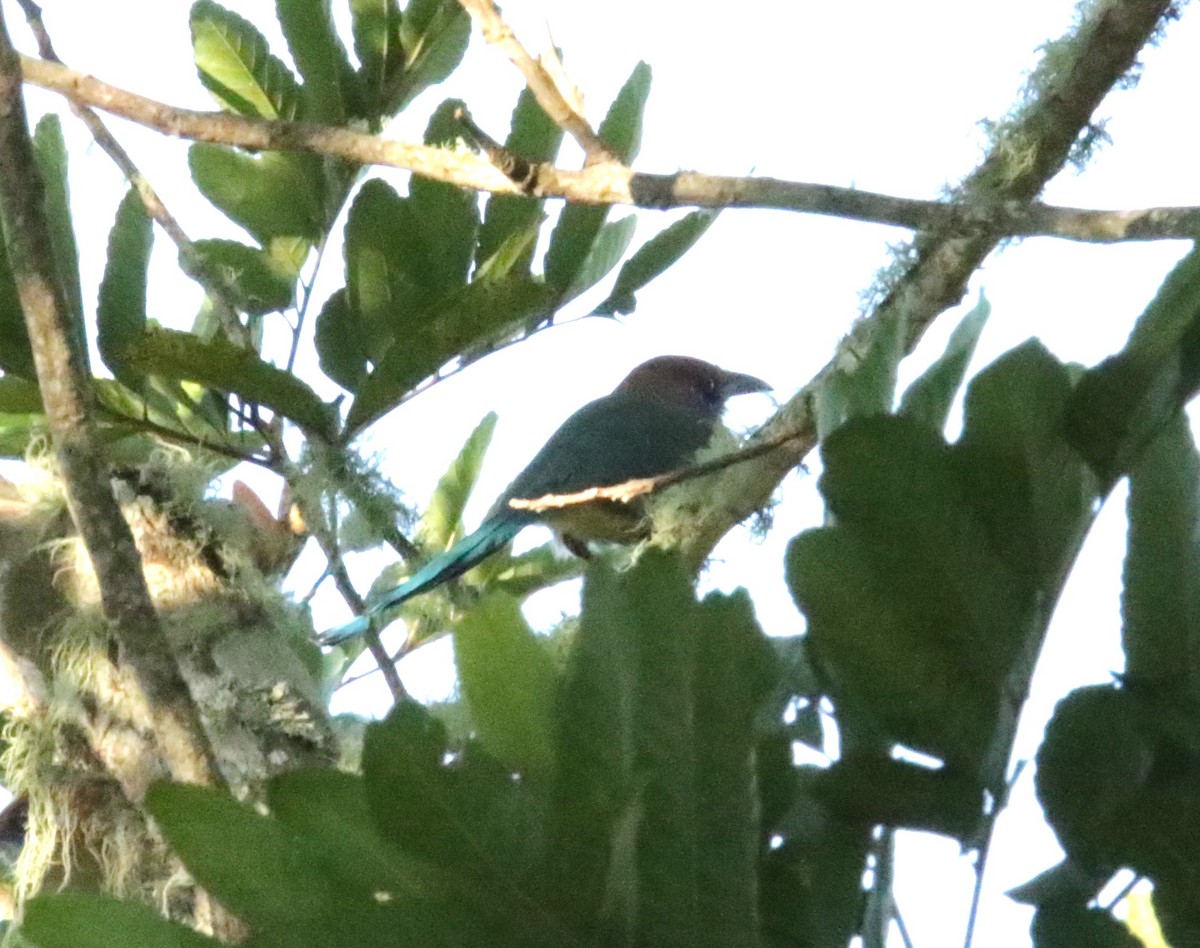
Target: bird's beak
point(735, 383)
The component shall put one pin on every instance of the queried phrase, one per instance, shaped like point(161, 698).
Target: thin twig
point(547, 84)
point(997, 216)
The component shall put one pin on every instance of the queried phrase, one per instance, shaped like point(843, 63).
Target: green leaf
point(1091, 765)
point(441, 523)
point(606, 252)
point(16, 358)
point(483, 312)
point(90, 920)
point(376, 28)
point(735, 671)
point(507, 676)
point(657, 598)
point(467, 815)
point(621, 129)
point(388, 268)
point(330, 808)
point(51, 153)
point(219, 364)
point(235, 64)
point(258, 283)
point(1120, 405)
point(275, 194)
point(929, 397)
point(1066, 925)
point(1033, 491)
point(652, 259)
point(911, 614)
point(272, 884)
point(1161, 598)
point(341, 351)
point(535, 137)
point(865, 384)
point(434, 35)
point(319, 55)
point(121, 310)
point(446, 217)
point(578, 227)
point(19, 396)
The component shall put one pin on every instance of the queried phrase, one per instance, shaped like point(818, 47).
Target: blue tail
point(467, 552)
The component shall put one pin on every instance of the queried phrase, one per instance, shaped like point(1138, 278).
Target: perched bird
point(661, 414)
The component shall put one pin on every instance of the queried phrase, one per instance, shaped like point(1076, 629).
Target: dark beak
point(735, 383)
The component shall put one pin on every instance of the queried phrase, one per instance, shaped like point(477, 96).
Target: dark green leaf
point(271, 195)
point(19, 396)
point(89, 920)
point(575, 234)
point(484, 312)
point(911, 615)
point(236, 66)
point(1066, 881)
point(442, 523)
point(387, 269)
point(330, 808)
point(735, 670)
point(1161, 598)
point(318, 54)
point(1090, 769)
point(259, 285)
point(341, 352)
point(507, 676)
point(1120, 405)
point(653, 258)
point(869, 789)
point(606, 252)
point(257, 868)
point(930, 396)
point(376, 28)
point(1031, 489)
point(621, 129)
point(434, 34)
point(121, 311)
point(534, 136)
point(446, 217)
point(16, 358)
point(467, 815)
point(865, 384)
point(51, 153)
point(222, 365)
point(1065, 925)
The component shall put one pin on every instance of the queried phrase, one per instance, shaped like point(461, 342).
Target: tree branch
point(1000, 211)
point(66, 395)
point(1057, 108)
point(546, 83)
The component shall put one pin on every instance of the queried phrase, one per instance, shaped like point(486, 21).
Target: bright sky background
point(877, 94)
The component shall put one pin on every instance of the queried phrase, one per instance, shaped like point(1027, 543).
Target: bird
point(654, 421)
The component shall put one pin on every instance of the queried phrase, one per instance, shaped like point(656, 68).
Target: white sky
point(881, 95)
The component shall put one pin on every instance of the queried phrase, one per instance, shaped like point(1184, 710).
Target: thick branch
point(1057, 110)
point(66, 395)
point(995, 213)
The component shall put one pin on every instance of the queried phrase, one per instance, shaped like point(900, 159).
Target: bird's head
point(689, 383)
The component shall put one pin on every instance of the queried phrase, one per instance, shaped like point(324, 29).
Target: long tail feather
point(466, 553)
